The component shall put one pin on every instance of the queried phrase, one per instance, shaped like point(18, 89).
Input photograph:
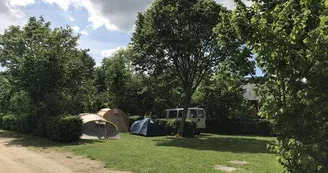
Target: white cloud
point(247, 3)
point(95, 17)
point(109, 52)
point(96, 47)
point(76, 29)
point(230, 4)
point(121, 15)
point(10, 14)
point(70, 18)
point(84, 32)
point(63, 4)
point(21, 2)
point(115, 14)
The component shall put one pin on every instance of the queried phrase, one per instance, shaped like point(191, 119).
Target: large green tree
point(46, 64)
point(118, 86)
point(176, 37)
point(222, 96)
point(290, 40)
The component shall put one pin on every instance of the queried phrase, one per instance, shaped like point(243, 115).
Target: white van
point(194, 114)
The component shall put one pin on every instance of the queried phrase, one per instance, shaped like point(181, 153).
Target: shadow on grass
point(38, 142)
point(218, 143)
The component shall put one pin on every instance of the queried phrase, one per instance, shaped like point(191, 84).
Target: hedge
point(172, 127)
point(9, 122)
point(258, 127)
point(24, 124)
point(1, 115)
point(67, 128)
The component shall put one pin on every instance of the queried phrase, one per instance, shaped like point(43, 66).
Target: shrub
point(24, 124)
point(240, 127)
point(9, 122)
point(1, 115)
point(66, 128)
point(40, 125)
point(172, 127)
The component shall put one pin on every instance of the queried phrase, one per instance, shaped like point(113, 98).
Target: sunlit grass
point(169, 154)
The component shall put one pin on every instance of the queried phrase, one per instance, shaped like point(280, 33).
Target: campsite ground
point(16, 158)
point(167, 154)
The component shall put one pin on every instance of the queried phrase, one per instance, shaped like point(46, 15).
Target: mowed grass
point(170, 154)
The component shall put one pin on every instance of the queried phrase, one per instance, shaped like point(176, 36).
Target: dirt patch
point(225, 168)
point(18, 159)
point(238, 162)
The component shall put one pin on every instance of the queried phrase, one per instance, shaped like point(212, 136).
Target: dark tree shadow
point(39, 142)
point(215, 143)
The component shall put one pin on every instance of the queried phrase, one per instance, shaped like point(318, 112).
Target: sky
point(104, 25)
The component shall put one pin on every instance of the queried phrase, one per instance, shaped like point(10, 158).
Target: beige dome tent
point(103, 111)
point(96, 127)
point(117, 117)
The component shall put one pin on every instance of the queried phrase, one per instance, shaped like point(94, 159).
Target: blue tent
point(147, 127)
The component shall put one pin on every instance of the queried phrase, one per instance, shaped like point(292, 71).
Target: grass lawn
point(169, 154)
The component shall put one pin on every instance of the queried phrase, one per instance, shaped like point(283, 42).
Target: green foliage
point(20, 103)
point(24, 123)
point(290, 39)
point(240, 127)
point(177, 38)
point(66, 128)
point(46, 65)
point(172, 127)
point(5, 93)
point(1, 116)
point(162, 92)
point(222, 97)
point(9, 122)
point(117, 84)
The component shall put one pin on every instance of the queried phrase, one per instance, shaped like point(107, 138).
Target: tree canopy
point(176, 37)
point(290, 39)
point(46, 64)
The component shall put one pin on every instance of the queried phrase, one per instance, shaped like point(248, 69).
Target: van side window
point(193, 113)
point(201, 114)
point(172, 114)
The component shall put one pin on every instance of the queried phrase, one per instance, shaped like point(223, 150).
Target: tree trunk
point(186, 103)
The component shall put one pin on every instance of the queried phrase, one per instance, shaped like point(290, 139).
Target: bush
point(240, 127)
point(9, 122)
point(1, 115)
point(24, 124)
point(172, 127)
point(66, 128)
